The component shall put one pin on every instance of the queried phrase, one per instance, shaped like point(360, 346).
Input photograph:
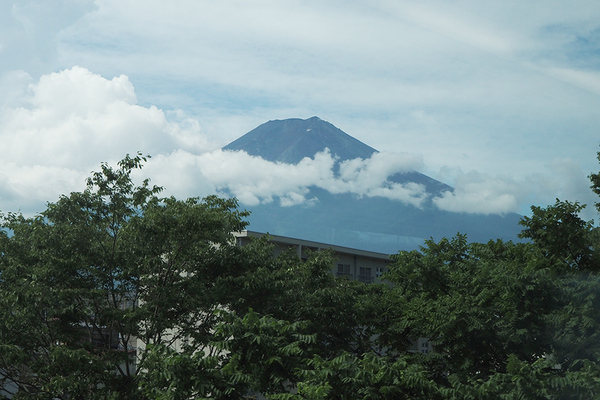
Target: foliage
point(104, 271)
point(115, 292)
point(506, 320)
point(562, 237)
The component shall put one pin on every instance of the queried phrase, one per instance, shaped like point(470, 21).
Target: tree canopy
point(115, 292)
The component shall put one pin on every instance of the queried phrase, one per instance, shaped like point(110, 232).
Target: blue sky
point(499, 99)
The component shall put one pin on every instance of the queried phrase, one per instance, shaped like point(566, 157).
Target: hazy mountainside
point(368, 223)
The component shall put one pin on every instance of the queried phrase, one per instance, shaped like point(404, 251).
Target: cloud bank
point(56, 130)
point(254, 180)
point(63, 126)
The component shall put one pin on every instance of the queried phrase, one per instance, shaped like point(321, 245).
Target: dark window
point(364, 275)
point(343, 270)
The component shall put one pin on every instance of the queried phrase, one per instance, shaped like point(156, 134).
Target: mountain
point(290, 140)
point(367, 223)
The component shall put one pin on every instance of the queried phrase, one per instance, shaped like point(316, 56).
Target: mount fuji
point(371, 223)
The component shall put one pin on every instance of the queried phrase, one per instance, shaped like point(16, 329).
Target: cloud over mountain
point(55, 130)
point(480, 194)
point(70, 121)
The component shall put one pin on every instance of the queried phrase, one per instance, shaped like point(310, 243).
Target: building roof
point(313, 245)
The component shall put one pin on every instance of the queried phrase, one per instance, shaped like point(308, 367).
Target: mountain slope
point(368, 223)
point(290, 140)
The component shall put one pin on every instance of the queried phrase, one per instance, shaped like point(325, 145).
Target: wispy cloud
point(586, 80)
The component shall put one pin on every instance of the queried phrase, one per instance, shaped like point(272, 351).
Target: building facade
point(360, 265)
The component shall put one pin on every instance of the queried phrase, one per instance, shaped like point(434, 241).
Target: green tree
point(115, 292)
point(563, 239)
point(289, 313)
point(506, 320)
point(108, 271)
point(476, 303)
point(116, 267)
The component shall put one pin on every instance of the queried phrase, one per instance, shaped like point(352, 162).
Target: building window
point(344, 270)
point(364, 275)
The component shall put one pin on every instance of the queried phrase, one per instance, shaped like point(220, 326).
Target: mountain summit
point(290, 140)
point(373, 223)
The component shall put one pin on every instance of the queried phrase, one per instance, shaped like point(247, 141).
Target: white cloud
point(476, 193)
point(479, 193)
point(564, 179)
point(75, 116)
point(68, 122)
point(370, 177)
point(254, 180)
point(487, 78)
point(378, 168)
point(294, 199)
point(55, 131)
